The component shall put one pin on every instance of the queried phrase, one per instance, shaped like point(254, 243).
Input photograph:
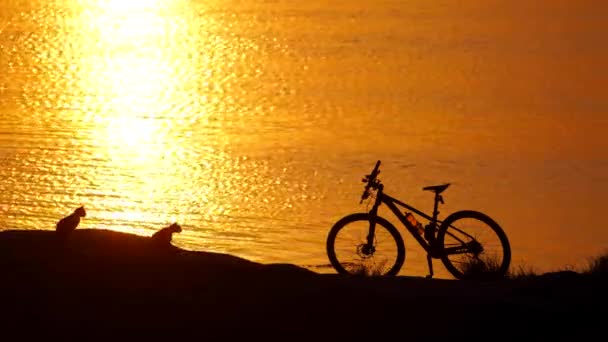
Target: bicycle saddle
point(437, 188)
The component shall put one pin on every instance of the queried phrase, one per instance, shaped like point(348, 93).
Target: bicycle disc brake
point(474, 247)
point(365, 250)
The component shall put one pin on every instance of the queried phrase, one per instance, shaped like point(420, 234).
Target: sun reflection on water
point(135, 63)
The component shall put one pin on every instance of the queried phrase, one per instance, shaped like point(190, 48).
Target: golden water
point(252, 122)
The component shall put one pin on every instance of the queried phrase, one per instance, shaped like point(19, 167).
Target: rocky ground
point(106, 285)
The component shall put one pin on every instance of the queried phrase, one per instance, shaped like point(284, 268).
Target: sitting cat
point(163, 236)
point(69, 223)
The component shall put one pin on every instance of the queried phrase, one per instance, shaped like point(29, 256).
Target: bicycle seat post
point(437, 190)
point(436, 201)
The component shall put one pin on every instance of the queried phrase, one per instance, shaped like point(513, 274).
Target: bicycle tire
point(476, 259)
point(355, 227)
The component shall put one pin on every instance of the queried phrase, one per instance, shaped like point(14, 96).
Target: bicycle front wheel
point(350, 253)
point(473, 246)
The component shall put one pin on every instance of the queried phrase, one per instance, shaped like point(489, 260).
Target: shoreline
point(113, 283)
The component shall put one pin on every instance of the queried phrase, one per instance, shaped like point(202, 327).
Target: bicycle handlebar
point(371, 180)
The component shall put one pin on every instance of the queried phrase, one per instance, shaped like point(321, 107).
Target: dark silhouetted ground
point(106, 285)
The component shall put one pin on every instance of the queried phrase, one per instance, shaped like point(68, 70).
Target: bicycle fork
point(372, 230)
point(372, 221)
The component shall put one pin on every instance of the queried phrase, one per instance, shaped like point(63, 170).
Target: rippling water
point(252, 122)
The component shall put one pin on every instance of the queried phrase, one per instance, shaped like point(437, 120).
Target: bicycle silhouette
point(467, 241)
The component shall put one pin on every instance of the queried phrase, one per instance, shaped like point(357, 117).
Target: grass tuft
point(597, 266)
point(522, 272)
point(368, 269)
point(482, 269)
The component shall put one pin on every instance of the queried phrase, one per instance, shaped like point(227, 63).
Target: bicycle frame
point(394, 205)
point(431, 237)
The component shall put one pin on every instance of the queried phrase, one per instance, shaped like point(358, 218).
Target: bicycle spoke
point(472, 242)
point(350, 252)
point(351, 247)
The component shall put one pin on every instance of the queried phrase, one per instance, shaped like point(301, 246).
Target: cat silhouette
point(68, 224)
point(164, 235)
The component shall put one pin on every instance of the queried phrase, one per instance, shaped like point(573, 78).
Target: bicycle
point(467, 242)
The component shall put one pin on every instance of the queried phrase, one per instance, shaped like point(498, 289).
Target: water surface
point(252, 122)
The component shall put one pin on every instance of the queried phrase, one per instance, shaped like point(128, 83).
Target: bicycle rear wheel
point(473, 246)
point(349, 252)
